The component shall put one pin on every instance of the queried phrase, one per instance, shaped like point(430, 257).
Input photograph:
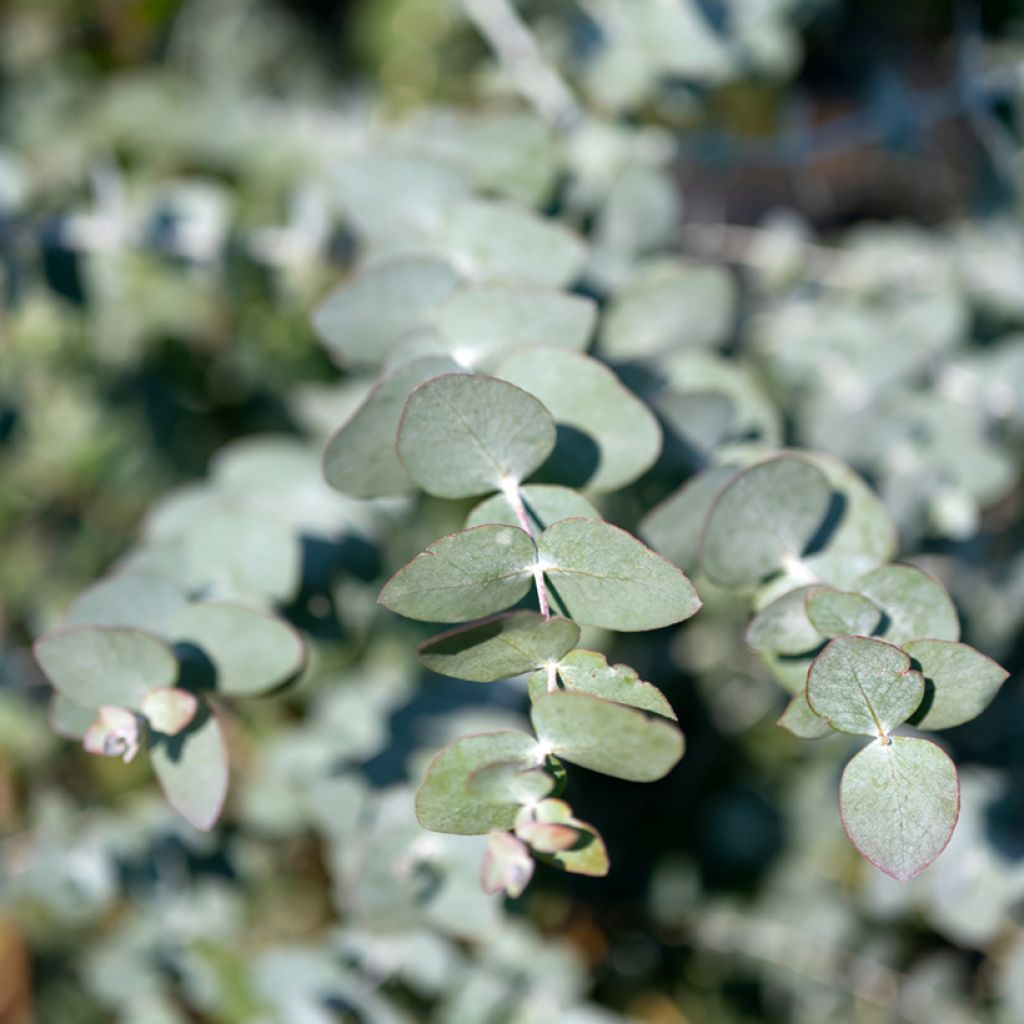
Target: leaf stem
point(515, 499)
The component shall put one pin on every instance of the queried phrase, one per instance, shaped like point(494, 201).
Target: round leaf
point(783, 627)
point(443, 801)
point(960, 682)
point(915, 604)
point(584, 394)
point(763, 520)
point(135, 600)
point(367, 314)
point(360, 459)
point(463, 576)
point(840, 613)
point(603, 576)
point(462, 435)
point(863, 686)
point(607, 737)
point(96, 665)
point(899, 802)
point(251, 651)
point(500, 647)
point(801, 721)
point(168, 709)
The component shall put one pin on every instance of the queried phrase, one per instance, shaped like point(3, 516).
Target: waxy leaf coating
point(500, 647)
point(607, 737)
point(589, 672)
point(783, 627)
point(801, 721)
point(603, 576)
point(582, 852)
point(763, 520)
point(463, 576)
point(915, 604)
point(192, 769)
point(960, 682)
point(544, 504)
point(584, 394)
point(840, 613)
point(899, 802)
point(96, 665)
point(863, 686)
point(251, 651)
point(507, 865)
point(368, 313)
point(463, 434)
point(135, 600)
point(444, 802)
point(360, 459)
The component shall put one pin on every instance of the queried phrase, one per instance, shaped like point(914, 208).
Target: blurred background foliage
point(169, 215)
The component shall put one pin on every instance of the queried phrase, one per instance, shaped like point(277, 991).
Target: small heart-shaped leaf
point(960, 682)
point(463, 434)
point(863, 686)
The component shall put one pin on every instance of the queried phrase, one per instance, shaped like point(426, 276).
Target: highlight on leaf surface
point(507, 865)
point(462, 435)
point(899, 803)
point(559, 838)
point(863, 686)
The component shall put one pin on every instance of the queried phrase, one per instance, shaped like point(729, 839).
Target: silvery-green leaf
point(368, 313)
point(584, 394)
point(95, 665)
point(466, 575)
point(604, 577)
point(864, 536)
point(589, 672)
point(899, 802)
point(462, 435)
point(507, 865)
point(68, 719)
point(544, 503)
point(134, 600)
point(841, 613)
point(674, 527)
point(863, 686)
point(117, 732)
point(960, 682)
point(483, 321)
point(397, 198)
point(763, 520)
point(495, 241)
point(498, 648)
point(192, 769)
point(251, 651)
point(510, 782)
point(783, 627)
point(607, 737)
point(801, 721)
point(789, 671)
point(168, 709)
point(666, 305)
point(443, 801)
point(916, 605)
point(244, 555)
point(360, 459)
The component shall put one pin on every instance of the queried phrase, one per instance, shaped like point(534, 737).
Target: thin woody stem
point(515, 498)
